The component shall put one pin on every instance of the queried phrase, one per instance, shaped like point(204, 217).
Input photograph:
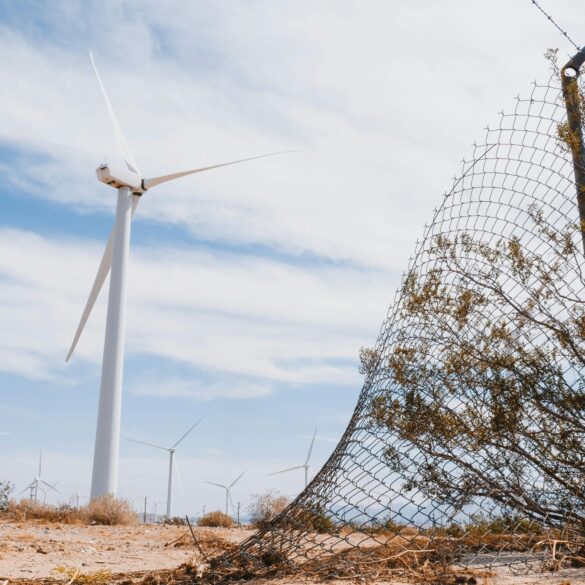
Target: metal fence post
point(573, 101)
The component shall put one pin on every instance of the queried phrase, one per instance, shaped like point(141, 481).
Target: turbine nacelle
point(119, 177)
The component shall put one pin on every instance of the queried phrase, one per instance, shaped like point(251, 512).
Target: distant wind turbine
point(172, 463)
point(76, 497)
point(227, 488)
point(37, 482)
point(155, 506)
point(304, 466)
point(131, 185)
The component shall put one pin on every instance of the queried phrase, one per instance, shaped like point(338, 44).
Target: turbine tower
point(172, 463)
point(304, 466)
point(227, 488)
point(131, 186)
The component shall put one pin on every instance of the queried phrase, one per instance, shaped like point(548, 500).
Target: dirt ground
point(31, 552)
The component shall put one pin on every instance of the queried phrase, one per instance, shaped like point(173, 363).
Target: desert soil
point(31, 552)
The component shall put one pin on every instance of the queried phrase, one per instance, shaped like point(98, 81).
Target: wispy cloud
point(251, 321)
point(355, 193)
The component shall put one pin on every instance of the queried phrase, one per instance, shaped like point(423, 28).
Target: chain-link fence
point(466, 448)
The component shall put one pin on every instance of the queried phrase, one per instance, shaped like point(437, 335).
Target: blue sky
point(251, 288)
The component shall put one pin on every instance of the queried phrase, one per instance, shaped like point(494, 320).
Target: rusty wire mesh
point(465, 447)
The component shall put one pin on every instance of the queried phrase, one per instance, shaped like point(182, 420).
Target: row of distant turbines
point(131, 186)
point(39, 484)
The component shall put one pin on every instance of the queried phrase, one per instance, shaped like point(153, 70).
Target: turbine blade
point(288, 469)
point(100, 278)
point(179, 478)
point(187, 433)
point(237, 479)
point(311, 447)
point(51, 487)
point(149, 444)
point(40, 461)
point(154, 181)
point(225, 487)
point(27, 488)
point(122, 144)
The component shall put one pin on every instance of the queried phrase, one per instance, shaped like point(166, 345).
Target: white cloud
point(381, 102)
point(169, 387)
point(250, 321)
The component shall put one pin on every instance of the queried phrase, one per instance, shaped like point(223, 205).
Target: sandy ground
point(30, 551)
point(33, 551)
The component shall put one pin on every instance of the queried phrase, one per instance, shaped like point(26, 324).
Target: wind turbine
point(155, 506)
point(131, 186)
point(227, 488)
point(35, 484)
point(305, 465)
point(171, 451)
point(76, 497)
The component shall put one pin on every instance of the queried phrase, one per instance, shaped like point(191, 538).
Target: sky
point(251, 288)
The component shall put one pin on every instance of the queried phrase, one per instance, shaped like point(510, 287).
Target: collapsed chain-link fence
point(467, 446)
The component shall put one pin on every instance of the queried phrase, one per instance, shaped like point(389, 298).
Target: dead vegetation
point(215, 519)
point(410, 562)
point(106, 510)
point(206, 542)
point(264, 507)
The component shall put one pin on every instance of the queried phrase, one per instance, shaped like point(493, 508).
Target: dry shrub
point(174, 521)
point(30, 510)
point(109, 510)
point(264, 507)
point(106, 510)
point(215, 519)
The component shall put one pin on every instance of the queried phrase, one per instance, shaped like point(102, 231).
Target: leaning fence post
point(574, 135)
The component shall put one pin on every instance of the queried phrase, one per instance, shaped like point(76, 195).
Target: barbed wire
point(555, 24)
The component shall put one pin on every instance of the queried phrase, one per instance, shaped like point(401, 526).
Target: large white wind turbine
point(36, 484)
point(304, 466)
point(172, 463)
point(131, 185)
point(227, 488)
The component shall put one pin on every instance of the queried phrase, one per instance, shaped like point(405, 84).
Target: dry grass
point(215, 519)
point(110, 511)
point(75, 576)
point(404, 561)
point(106, 510)
point(29, 510)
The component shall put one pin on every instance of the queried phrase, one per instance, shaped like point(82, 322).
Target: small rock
point(41, 550)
